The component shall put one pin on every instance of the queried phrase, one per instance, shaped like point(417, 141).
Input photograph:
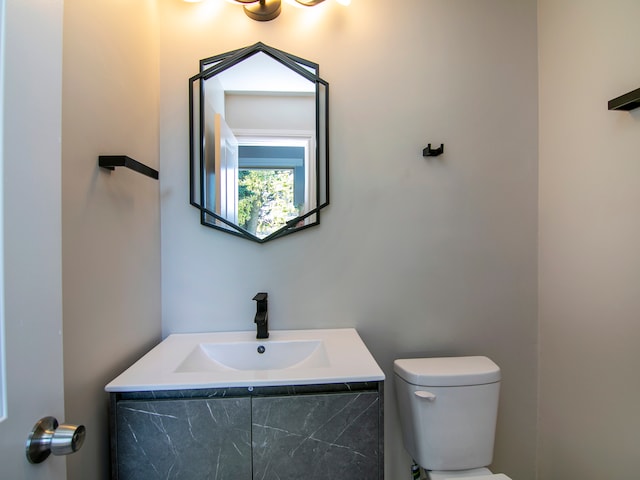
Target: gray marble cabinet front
point(316, 437)
point(184, 439)
point(315, 432)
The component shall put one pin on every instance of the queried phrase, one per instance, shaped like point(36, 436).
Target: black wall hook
point(433, 152)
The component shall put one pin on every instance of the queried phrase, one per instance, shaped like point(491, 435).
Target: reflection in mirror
point(259, 156)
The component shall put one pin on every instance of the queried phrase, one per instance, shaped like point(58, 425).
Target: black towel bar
point(112, 161)
point(628, 101)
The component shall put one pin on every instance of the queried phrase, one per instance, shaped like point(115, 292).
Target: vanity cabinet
point(329, 436)
point(319, 432)
point(184, 438)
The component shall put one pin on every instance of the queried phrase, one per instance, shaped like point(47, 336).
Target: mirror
point(259, 159)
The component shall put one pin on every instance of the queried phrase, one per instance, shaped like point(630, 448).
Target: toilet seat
point(495, 476)
point(475, 474)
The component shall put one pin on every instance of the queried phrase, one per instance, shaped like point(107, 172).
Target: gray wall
point(110, 221)
point(589, 236)
point(422, 256)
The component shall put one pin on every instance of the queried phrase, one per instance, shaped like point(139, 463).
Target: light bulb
point(309, 3)
point(346, 3)
point(294, 3)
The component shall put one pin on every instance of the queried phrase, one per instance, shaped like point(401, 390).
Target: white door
point(31, 285)
point(226, 158)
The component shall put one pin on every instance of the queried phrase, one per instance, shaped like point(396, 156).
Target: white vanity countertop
point(231, 359)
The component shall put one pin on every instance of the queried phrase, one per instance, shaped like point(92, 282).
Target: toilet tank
point(448, 409)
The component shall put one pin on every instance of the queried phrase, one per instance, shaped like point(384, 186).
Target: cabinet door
point(184, 439)
point(320, 437)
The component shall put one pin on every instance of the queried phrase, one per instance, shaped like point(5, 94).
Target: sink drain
point(261, 349)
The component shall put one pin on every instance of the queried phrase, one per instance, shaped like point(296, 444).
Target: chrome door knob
point(48, 437)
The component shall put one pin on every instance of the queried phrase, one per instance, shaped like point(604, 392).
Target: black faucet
point(262, 315)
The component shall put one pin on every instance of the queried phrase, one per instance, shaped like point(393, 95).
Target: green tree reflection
point(265, 200)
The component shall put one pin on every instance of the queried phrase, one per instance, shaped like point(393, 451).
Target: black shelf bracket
point(433, 152)
point(110, 162)
point(628, 101)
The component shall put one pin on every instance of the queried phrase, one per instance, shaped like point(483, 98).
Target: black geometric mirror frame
point(214, 65)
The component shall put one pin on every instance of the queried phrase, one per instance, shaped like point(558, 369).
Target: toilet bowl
point(448, 408)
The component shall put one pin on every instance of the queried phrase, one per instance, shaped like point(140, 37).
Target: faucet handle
point(261, 297)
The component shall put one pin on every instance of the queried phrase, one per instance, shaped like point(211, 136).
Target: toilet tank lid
point(447, 371)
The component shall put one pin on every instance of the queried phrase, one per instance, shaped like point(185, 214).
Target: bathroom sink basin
point(256, 355)
point(237, 359)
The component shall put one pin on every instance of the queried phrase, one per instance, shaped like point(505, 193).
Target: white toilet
point(448, 408)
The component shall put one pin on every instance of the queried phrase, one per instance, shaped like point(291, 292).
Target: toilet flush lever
point(426, 395)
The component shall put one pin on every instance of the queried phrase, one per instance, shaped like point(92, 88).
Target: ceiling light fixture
point(265, 10)
point(261, 10)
